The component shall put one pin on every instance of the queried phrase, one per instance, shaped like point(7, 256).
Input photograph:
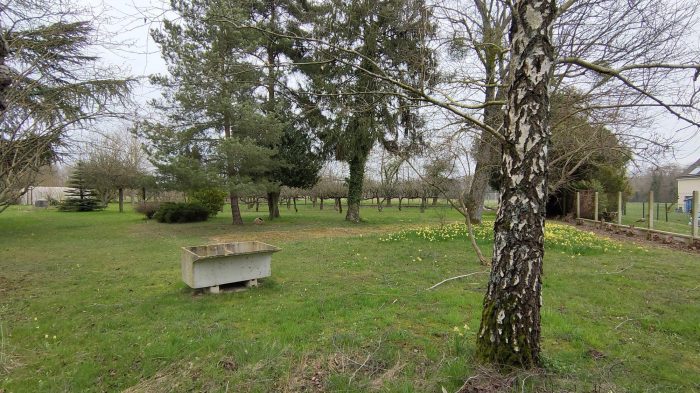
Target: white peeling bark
point(510, 324)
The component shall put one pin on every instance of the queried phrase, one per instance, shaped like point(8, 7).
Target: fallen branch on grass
point(617, 271)
point(455, 278)
point(621, 323)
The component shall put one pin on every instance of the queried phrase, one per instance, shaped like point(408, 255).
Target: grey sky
point(129, 23)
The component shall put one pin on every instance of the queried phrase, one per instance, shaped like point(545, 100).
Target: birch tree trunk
point(510, 324)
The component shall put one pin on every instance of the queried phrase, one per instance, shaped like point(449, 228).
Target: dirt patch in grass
point(7, 363)
point(309, 375)
point(488, 381)
point(312, 374)
point(7, 285)
point(167, 380)
point(388, 375)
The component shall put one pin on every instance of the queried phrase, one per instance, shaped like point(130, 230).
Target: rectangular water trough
point(213, 265)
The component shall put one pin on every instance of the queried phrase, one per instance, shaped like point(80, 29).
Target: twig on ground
point(369, 356)
point(455, 278)
point(620, 324)
point(470, 233)
point(617, 271)
point(522, 383)
point(464, 384)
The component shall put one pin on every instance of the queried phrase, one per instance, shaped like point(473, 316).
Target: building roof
point(692, 171)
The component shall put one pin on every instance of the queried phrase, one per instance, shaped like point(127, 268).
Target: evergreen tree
point(225, 83)
point(269, 26)
point(299, 164)
point(216, 133)
point(387, 37)
point(80, 197)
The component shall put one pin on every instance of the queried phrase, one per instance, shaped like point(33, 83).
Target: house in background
point(687, 183)
point(49, 185)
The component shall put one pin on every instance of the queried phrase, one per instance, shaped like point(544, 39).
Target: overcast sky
point(129, 23)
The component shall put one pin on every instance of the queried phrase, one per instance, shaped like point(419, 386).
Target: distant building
point(34, 194)
point(687, 183)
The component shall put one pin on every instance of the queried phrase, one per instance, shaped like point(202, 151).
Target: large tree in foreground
point(50, 85)
point(510, 323)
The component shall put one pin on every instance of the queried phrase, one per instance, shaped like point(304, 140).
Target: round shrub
point(181, 212)
point(211, 198)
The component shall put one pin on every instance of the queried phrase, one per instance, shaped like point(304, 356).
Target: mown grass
point(344, 307)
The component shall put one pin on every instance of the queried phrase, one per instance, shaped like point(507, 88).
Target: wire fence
point(681, 217)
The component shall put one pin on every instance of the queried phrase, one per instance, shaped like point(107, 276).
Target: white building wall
point(35, 193)
point(686, 186)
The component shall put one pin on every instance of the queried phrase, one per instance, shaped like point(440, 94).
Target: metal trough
point(218, 264)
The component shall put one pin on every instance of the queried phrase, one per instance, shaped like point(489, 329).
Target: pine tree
point(227, 98)
point(217, 133)
point(270, 24)
point(80, 197)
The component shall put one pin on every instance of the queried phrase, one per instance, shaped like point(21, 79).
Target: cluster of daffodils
point(442, 233)
point(46, 336)
point(574, 241)
point(564, 238)
point(460, 331)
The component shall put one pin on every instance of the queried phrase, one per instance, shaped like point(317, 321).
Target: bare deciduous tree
point(115, 163)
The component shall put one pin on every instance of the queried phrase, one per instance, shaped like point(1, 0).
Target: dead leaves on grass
point(487, 380)
point(228, 364)
point(312, 374)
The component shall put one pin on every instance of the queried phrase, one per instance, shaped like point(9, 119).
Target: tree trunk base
point(353, 213)
point(235, 211)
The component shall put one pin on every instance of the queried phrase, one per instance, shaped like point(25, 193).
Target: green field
point(94, 302)
point(676, 222)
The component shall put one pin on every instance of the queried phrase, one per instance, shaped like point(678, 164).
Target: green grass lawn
point(94, 302)
point(677, 222)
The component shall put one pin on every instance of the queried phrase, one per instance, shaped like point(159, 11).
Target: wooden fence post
point(578, 204)
point(595, 208)
point(619, 208)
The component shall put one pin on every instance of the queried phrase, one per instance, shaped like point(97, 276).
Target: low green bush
point(181, 212)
